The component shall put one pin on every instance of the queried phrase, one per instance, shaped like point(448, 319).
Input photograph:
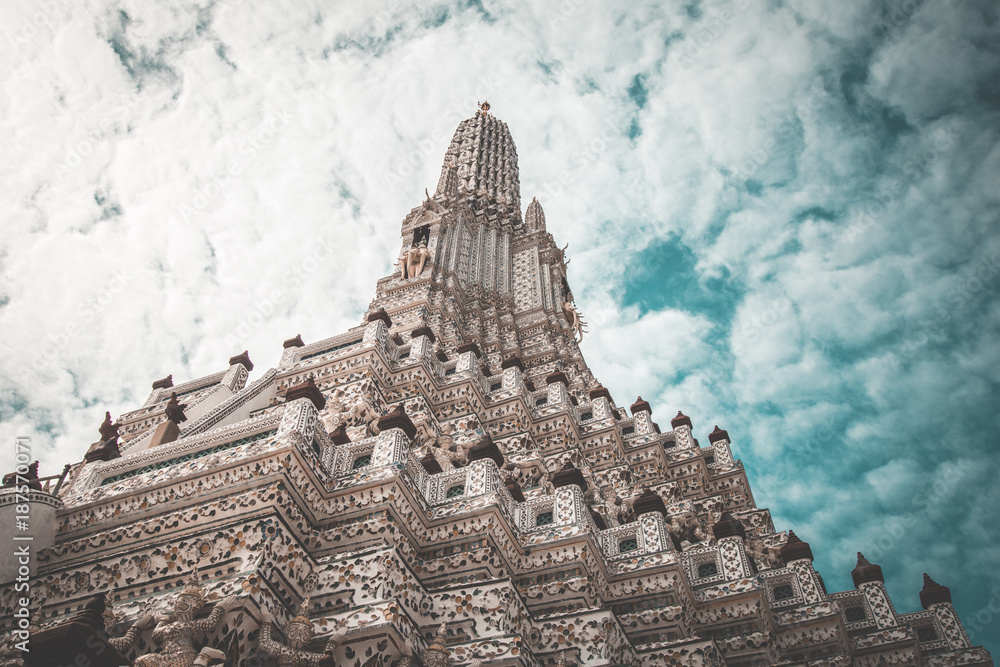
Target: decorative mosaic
point(519, 522)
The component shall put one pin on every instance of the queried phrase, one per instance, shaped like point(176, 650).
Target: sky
point(782, 218)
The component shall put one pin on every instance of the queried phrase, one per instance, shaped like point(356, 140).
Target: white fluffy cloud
point(185, 180)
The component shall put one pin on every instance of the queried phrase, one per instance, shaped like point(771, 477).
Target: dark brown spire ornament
point(106, 448)
point(108, 430)
point(866, 572)
point(933, 593)
point(175, 410)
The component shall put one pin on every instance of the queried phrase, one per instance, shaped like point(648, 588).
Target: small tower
point(534, 216)
point(869, 580)
point(937, 598)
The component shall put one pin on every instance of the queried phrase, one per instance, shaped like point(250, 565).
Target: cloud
point(782, 220)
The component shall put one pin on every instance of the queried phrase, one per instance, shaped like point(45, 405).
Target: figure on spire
point(299, 632)
point(176, 632)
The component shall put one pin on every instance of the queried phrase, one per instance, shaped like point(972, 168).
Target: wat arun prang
point(445, 483)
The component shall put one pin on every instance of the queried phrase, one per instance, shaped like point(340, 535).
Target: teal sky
point(782, 219)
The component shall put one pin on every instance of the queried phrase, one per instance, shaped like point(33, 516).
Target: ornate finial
point(164, 383)
point(106, 448)
point(108, 430)
point(484, 153)
point(110, 618)
point(933, 593)
point(304, 608)
point(299, 626)
point(193, 588)
point(175, 410)
point(440, 642)
point(436, 654)
point(534, 216)
point(866, 572)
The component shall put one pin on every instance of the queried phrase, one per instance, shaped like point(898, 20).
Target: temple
point(446, 483)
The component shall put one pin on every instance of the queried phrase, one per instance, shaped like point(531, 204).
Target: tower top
point(534, 216)
point(484, 158)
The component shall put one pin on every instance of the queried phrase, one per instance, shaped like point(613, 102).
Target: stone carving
point(411, 263)
point(29, 479)
point(687, 527)
point(176, 632)
point(765, 557)
point(175, 410)
point(107, 429)
point(435, 655)
point(124, 643)
point(342, 408)
point(485, 159)
point(576, 323)
point(299, 632)
point(107, 447)
point(14, 646)
point(442, 446)
point(669, 494)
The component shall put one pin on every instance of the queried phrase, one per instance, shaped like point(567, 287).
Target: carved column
point(290, 348)
point(868, 579)
point(798, 557)
point(569, 506)
point(420, 346)
point(730, 537)
point(376, 331)
point(301, 414)
point(556, 392)
point(466, 363)
point(600, 403)
point(682, 427)
point(720, 446)
point(653, 535)
point(512, 373)
point(642, 417)
point(937, 598)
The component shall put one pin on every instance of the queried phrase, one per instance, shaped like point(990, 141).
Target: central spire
point(483, 156)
